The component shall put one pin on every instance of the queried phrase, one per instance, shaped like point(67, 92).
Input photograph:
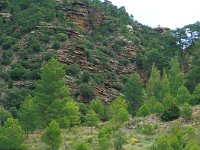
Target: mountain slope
point(99, 44)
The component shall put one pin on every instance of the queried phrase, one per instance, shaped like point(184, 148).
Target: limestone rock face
point(130, 28)
point(6, 16)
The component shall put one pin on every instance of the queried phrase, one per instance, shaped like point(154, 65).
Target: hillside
point(86, 70)
point(92, 39)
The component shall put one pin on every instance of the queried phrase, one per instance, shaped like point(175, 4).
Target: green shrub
point(196, 95)
point(49, 55)
point(86, 44)
point(56, 45)
point(180, 138)
point(124, 62)
point(6, 58)
point(186, 111)
point(104, 143)
point(86, 91)
point(72, 70)
point(171, 113)
point(18, 72)
point(3, 4)
point(83, 110)
point(192, 146)
point(85, 77)
point(36, 47)
point(88, 54)
point(104, 136)
point(118, 45)
point(147, 129)
point(159, 108)
point(61, 37)
point(118, 86)
point(106, 131)
point(98, 106)
point(81, 146)
point(34, 44)
point(119, 140)
point(99, 78)
point(162, 143)
point(144, 111)
point(4, 115)
point(8, 41)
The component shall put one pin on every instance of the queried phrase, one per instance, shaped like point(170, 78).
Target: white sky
point(167, 13)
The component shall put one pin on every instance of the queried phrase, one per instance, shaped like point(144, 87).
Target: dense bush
point(86, 44)
point(34, 44)
point(61, 37)
point(11, 135)
point(124, 62)
point(196, 96)
point(56, 45)
point(159, 108)
point(6, 58)
point(7, 42)
point(81, 146)
point(85, 76)
point(119, 140)
point(133, 93)
point(186, 111)
point(147, 129)
point(98, 106)
point(72, 70)
point(118, 45)
point(171, 113)
point(18, 72)
point(144, 111)
point(4, 115)
point(99, 78)
point(86, 91)
point(180, 138)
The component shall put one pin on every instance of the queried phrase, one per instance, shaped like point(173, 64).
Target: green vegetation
point(134, 93)
point(52, 135)
point(105, 82)
point(27, 115)
point(11, 136)
point(91, 119)
point(186, 111)
point(171, 113)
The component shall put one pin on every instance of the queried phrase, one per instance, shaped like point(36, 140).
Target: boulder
point(130, 28)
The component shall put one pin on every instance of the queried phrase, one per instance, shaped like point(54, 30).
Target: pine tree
point(196, 95)
point(183, 95)
point(11, 135)
point(116, 105)
point(134, 93)
point(52, 135)
point(144, 111)
point(168, 100)
point(72, 113)
point(50, 87)
point(98, 106)
point(165, 87)
point(64, 111)
point(176, 77)
point(27, 115)
point(118, 111)
point(92, 119)
point(154, 83)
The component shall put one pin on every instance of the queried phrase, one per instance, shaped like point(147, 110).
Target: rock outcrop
point(83, 16)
